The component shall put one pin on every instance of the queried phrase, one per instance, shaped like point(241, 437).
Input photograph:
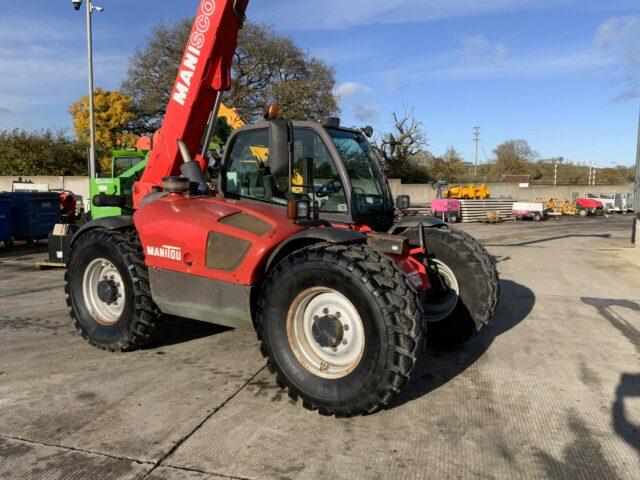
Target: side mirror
point(403, 202)
point(279, 148)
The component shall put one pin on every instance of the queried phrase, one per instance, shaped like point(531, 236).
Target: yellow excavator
point(463, 192)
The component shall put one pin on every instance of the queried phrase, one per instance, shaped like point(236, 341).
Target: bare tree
point(400, 148)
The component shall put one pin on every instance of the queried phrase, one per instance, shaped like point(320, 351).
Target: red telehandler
point(286, 244)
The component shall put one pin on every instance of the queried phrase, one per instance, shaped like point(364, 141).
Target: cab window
point(327, 183)
point(122, 164)
point(248, 176)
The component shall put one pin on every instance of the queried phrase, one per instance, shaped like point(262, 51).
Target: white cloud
point(629, 95)
point(367, 113)
point(615, 50)
point(477, 48)
point(348, 90)
point(337, 15)
point(620, 34)
point(359, 99)
point(43, 64)
point(618, 42)
point(395, 80)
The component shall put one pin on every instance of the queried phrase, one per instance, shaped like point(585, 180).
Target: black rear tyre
point(352, 278)
point(455, 253)
point(107, 287)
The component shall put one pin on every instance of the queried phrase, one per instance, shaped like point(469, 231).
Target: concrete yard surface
point(551, 389)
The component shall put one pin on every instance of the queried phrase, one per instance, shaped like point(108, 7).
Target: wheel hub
point(103, 291)
point(327, 331)
point(108, 291)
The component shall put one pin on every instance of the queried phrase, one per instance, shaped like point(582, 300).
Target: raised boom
point(205, 70)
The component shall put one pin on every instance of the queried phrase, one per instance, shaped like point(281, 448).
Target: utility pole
point(476, 139)
point(92, 123)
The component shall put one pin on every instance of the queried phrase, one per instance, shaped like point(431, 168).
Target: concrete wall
point(420, 194)
point(77, 185)
point(423, 194)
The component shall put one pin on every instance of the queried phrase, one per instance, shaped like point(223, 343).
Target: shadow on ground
point(17, 251)
point(440, 367)
point(182, 330)
point(629, 386)
point(628, 431)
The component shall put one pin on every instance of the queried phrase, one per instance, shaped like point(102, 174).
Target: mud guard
point(108, 223)
point(412, 222)
point(311, 236)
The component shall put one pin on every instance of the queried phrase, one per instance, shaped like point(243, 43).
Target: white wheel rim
point(105, 313)
point(319, 307)
point(435, 312)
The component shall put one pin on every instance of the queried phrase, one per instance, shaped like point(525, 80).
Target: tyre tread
point(147, 319)
point(395, 297)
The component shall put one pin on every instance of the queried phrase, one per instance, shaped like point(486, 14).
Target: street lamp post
point(92, 124)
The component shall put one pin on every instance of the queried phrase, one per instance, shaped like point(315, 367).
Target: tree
point(267, 68)
point(25, 153)
point(611, 176)
point(512, 157)
point(113, 113)
point(451, 167)
point(402, 149)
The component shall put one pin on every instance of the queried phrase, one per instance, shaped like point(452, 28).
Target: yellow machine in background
point(234, 120)
point(558, 206)
point(471, 192)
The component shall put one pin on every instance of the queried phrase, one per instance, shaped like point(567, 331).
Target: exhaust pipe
point(192, 170)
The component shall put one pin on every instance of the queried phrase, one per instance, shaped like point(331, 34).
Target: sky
point(562, 74)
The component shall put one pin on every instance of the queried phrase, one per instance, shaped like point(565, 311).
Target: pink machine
point(447, 209)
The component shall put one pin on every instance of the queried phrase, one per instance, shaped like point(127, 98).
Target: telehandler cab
point(286, 244)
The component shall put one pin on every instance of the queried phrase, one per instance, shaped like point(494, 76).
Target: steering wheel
point(327, 189)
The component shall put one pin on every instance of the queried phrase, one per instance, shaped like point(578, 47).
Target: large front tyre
point(340, 328)
point(107, 286)
point(465, 286)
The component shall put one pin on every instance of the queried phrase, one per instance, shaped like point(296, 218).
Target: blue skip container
point(5, 218)
point(34, 214)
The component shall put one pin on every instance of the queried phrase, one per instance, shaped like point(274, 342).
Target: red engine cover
point(175, 230)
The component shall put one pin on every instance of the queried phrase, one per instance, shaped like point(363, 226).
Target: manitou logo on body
point(166, 251)
point(192, 56)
